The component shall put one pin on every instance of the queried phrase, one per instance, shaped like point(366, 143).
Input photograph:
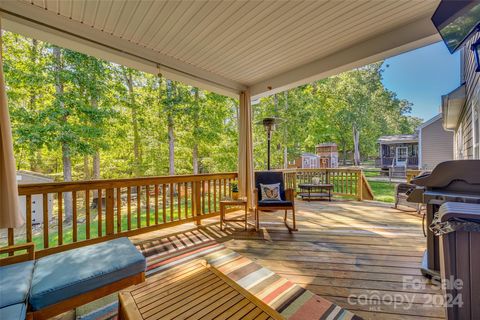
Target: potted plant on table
point(234, 189)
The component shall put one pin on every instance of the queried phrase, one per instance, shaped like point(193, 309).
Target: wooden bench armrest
point(10, 250)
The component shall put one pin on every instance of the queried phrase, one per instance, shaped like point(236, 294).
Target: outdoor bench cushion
point(70, 273)
point(15, 281)
point(274, 203)
point(14, 312)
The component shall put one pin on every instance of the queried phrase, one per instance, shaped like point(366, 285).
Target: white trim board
point(30, 20)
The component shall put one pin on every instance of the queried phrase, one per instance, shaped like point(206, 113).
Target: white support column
point(245, 149)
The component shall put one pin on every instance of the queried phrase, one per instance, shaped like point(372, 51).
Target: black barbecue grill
point(450, 181)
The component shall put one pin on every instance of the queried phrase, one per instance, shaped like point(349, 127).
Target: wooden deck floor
point(352, 253)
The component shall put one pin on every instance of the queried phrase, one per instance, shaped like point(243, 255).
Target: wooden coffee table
point(315, 191)
point(191, 290)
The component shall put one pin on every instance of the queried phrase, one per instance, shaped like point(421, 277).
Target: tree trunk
point(66, 160)
point(96, 165)
point(86, 168)
point(195, 135)
point(96, 155)
point(275, 105)
point(171, 136)
point(356, 151)
point(34, 153)
point(136, 136)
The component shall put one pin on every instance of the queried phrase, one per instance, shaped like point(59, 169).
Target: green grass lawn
point(371, 173)
point(383, 191)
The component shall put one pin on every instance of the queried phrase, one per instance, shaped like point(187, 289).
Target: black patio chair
point(287, 197)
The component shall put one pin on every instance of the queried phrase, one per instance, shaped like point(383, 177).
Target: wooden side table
point(230, 202)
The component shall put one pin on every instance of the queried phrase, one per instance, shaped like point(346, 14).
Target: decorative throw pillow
point(316, 180)
point(270, 191)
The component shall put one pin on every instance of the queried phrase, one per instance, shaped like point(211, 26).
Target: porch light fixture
point(476, 53)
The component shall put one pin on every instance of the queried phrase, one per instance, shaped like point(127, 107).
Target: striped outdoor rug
point(289, 299)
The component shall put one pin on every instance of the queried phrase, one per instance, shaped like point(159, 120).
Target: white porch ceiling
point(227, 46)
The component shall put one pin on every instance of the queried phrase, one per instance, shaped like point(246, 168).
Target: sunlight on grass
point(383, 191)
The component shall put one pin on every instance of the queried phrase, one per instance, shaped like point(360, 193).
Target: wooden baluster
point(156, 203)
point(215, 195)
point(192, 186)
point(74, 218)
point(60, 219)
point(209, 199)
point(147, 201)
point(99, 212)
point(45, 220)
point(185, 187)
point(220, 189)
point(109, 212)
point(179, 201)
point(139, 207)
point(203, 197)
point(350, 182)
point(11, 239)
point(197, 200)
point(87, 214)
point(129, 208)
point(164, 204)
point(359, 185)
point(225, 187)
point(172, 194)
point(119, 210)
point(28, 217)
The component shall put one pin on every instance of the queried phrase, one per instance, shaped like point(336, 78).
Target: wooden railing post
point(109, 211)
point(196, 205)
point(359, 185)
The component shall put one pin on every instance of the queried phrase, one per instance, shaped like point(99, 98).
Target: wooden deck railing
point(346, 181)
point(86, 212)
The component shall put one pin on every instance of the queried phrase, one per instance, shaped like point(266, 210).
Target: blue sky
point(421, 76)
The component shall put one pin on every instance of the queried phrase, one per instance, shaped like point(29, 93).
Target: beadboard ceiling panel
point(247, 42)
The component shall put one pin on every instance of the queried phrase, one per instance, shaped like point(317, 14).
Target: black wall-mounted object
point(476, 54)
point(456, 21)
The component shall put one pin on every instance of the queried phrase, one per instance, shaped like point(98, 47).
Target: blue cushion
point(274, 203)
point(15, 281)
point(14, 312)
point(67, 274)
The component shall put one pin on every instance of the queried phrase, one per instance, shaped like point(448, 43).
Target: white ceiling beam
point(32, 21)
point(405, 38)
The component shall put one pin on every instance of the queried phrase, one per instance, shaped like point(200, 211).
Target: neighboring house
point(461, 107)
point(27, 177)
point(435, 144)
point(307, 161)
point(398, 151)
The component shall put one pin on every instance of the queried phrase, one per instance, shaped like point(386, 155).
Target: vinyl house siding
point(464, 134)
point(436, 145)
